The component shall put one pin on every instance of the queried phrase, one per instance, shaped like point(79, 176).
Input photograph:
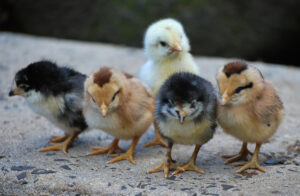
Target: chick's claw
point(190, 166)
point(242, 155)
point(112, 148)
point(166, 165)
point(126, 156)
point(58, 139)
point(63, 146)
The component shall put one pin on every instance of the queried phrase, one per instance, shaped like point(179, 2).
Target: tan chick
point(118, 104)
point(250, 109)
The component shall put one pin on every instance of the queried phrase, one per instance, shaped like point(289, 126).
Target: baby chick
point(250, 109)
point(185, 112)
point(120, 105)
point(167, 49)
point(55, 93)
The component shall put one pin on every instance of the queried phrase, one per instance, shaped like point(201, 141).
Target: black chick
point(185, 112)
point(55, 93)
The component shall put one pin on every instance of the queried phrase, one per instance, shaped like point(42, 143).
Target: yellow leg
point(112, 148)
point(190, 166)
point(158, 140)
point(129, 154)
point(167, 164)
point(58, 139)
point(64, 146)
point(253, 163)
point(242, 155)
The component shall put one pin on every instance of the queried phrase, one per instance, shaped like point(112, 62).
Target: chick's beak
point(225, 99)
point(103, 109)
point(176, 47)
point(16, 91)
point(181, 116)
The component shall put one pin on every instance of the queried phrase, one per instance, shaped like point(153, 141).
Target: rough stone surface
point(23, 133)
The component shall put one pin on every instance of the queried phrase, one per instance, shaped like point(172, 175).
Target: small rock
point(276, 161)
point(65, 167)
point(186, 189)
point(2, 156)
point(139, 194)
point(152, 188)
point(21, 168)
point(50, 153)
point(123, 187)
point(109, 184)
point(5, 122)
point(61, 160)
point(21, 175)
point(226, 187)
point(42, 171)
point(24, 182)
point(72, 177)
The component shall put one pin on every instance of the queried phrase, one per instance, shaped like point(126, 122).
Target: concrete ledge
point(25, 171)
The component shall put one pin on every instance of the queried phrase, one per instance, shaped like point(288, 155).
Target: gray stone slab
point(23, 133)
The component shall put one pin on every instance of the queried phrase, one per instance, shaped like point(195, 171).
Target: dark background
point(265, 30)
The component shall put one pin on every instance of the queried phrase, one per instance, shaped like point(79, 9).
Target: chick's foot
point(190, 166)
point(242, 155)
point(63, 146)
point(111, 149)
point(253, 163)
point(127, 155)
point(167, 164)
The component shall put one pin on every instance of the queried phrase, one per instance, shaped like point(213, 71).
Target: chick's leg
point(253, 163)
point(190, 166)
point(167, 162)
point(158, 140)
point(242, 155)
point(64, 146)
point(129, 154)
point(112, 148)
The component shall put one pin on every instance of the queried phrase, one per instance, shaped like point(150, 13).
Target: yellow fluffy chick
point(167, 49)
point(118, 104)
point(250, 109)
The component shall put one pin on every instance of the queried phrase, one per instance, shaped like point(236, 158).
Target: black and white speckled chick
point(185, 112)
point(55, 93)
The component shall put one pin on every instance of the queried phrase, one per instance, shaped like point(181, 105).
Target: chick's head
point(165, 38)
point(36, 77)
point(182, 97)
point(239, 83)
point(104, 90)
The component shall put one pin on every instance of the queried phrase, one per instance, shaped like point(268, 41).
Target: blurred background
point(263, 30)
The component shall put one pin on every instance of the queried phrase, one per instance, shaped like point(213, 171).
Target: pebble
point(21, 168)
point(21, 175)
point(65, 167)
point(42, 171)
point(276, 161)
point(226, 187)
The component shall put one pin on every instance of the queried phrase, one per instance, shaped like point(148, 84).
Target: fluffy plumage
point(250, 109)
point(55, 93)
point(167, 49)
point(185, 112)
point(120, 105)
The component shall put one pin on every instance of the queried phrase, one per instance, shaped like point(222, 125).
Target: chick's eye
point(162, 43)
point(239, 89)
point(114, 96)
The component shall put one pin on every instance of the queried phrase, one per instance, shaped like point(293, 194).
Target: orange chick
point(250, 109)
point(120, 105)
